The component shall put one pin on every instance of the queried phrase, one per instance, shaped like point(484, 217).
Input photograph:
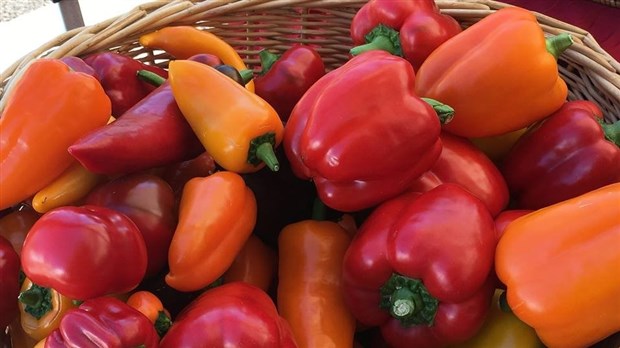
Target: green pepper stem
point(380, 38)
point(265, 153)
point(37, 300)
point(162, 323)
point(444, 112)
point(246, 75)
point(612, 132)
point(408, 301)
point(503, 303)
point(558, 44)
point(150, 77)
point(267, 59)
point(404, 303)
point(319, 210)
point(31, 297)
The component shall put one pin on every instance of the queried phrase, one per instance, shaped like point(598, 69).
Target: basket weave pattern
point(251, 25)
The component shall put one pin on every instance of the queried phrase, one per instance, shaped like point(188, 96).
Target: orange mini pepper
point(49, 108)
point(499, 75)
point(255, 264)
point(217, 214)
point(238, 129)
point(151, 306)
point(310, 295)
point(560, 266)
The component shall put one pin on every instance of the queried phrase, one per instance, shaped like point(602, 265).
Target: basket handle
point(71, 13)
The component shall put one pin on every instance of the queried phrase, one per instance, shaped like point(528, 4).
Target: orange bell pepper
point(185, 41)
point(151, 306)
point(310, 295)
point(217, 214)
point(237, 128)
point(560, 266)
point(499, 75)
point(49, 108)
point(255, 264)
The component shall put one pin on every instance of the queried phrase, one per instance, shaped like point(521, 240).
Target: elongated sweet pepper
point(284, 79)
point(237, 128)
point(572, 152)
point(499, 75)
point(310, 295)
point(103, 322)
point(361, 146)
point(461, 162)
point(217, 214)
point(40, 121)
point(560, 265)
point(410, 29)
point(235, 313)
point(256, 263)
point(151, 306)
point(9, 283)
point(419, 268)
point(95, 241)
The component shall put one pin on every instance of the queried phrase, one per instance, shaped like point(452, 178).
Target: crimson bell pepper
point(362, 145)
point(411, 29)
point(284, 79)
point(234, 314)
point(461, 162)
point(103, 322)
point(572, 152)
point(117, 74)
point(150, 203)
point(84, 252)
point(420, 268)
point(9, 283)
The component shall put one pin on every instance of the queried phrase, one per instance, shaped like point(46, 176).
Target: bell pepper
point(419, 268)
point(15, 226)
point(150, 203)
point(560, 267)
point(497, 147)
point(9, 283)
point(151, 306)
point(256, 264)
point(284, 79)
point(41, 309)
point(499, 74)
point(460, 162)
point(410, 29)
point(570, 153)
point(238, 128)
point(236, 314)
point(117, 74)
point(204, 245)
point(94, 241)
point(310, 295)
point(18, 337)
point(78, 64)
point(503, 219)
point(178, 174)
point(183, 42)
point(103, 322)
point(39, 123)
point(361, 146)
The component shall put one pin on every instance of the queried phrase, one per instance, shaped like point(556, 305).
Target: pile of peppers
point(410, 197)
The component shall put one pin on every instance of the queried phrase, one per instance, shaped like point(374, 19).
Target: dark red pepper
point(117, 74)
point(461, 162)
point(9, 283)
point(284, 79)
point(411, 29)
point(570, 153)
point(104, 322)
point(78, 64)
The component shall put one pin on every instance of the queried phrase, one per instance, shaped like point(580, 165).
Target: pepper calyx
point(383, 38)
point(261, 150)
point(408, 301)
point(37, 300)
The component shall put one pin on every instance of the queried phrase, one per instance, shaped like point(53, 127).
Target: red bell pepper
point(9, 283)
point(150, 203)
point(461, 162)
point(284, 79)
point(117, 74)
point(84, 252)
point(420, 268)
point(78, 64)
point(103, 322)
point(362, 145)
point(234, 314)
point(410, 29)
point(570, 153)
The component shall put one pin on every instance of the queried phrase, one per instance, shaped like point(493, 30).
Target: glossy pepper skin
point(15, 226)
point(462, 163)
point(410, 29)
point(256, 263)
point(117, 74)
point(419, 268)
point(284, 79)
point(104, 322)
point(559, 265)
point(217, 214)
point(361, 146)
point(150, 203)
point(310, 295)
point(468, 72)
point(570, 153)
point(237, 314)
point(95, 241)
point(151, 306)
point(9, 282)
point(40, 121)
